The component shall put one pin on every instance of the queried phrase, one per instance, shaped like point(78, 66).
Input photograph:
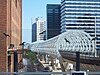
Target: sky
point(32, 9)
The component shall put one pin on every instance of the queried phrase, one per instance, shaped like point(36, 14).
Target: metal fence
point(45, 73)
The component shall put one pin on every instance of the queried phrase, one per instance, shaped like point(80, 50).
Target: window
point(56, 11)
point(50, 10)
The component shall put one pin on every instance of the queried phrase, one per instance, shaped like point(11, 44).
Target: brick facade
point(11, 24)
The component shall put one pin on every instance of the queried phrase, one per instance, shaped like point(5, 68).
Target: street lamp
point(22, 44)
point(43, 33)
point(77, 57)
point(67, 40)
point(7, 35)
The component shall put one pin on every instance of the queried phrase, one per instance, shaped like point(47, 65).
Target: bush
point(31, 55)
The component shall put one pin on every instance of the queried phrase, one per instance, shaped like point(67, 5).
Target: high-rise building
point(53, 20)
point(10, 32)
point(82, 15)
point(34, 31)
point(38, 30)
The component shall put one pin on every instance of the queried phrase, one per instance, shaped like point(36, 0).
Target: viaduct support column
point(61, 64)
point(77, 61)
point(52, 63)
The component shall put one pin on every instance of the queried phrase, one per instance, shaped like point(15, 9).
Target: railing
point(46, 73)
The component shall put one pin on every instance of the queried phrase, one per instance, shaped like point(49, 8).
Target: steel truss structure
point(70, 41)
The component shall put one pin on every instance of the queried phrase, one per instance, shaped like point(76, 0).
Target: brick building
point(10, 24)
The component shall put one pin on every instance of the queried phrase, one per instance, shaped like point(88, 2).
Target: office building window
point(50, 10)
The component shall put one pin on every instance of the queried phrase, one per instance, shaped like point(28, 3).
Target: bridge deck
point(83, 59)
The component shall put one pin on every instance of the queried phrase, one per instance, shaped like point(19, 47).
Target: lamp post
point(77, 57)
point(43, 35)
point(7, 35)
point(22, 44)
point(14, 57)
point(25, 60)
point(66, 40)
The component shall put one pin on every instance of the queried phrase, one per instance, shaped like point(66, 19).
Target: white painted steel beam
point(72, 40)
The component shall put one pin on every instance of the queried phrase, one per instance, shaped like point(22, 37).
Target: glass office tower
point(82, 15)
point(53, 20)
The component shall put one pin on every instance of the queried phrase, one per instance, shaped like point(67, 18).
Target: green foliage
point(31, 55)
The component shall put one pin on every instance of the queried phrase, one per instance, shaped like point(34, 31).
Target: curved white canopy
point(70, 41)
